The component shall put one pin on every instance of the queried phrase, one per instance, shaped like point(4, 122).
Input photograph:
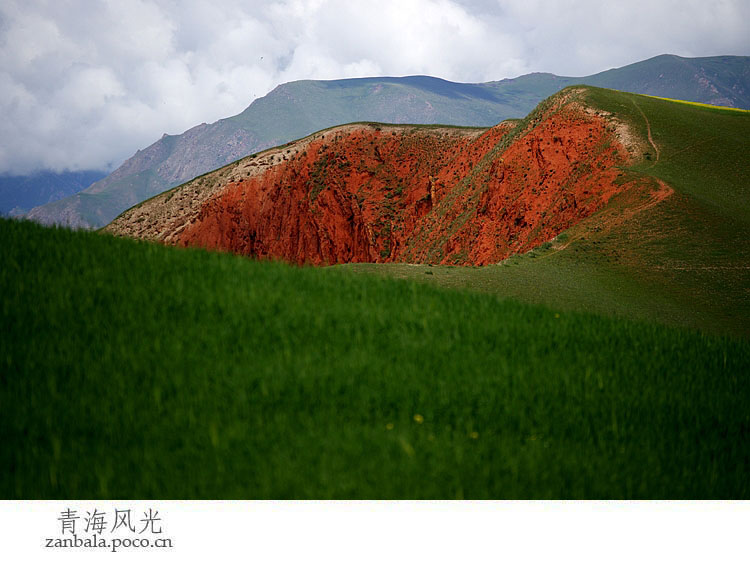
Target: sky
point(85, 83)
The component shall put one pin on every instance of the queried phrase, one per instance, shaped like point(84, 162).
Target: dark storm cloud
point(83, 84)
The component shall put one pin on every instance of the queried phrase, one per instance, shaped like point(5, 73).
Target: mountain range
point(19, 193)
point(297, 109)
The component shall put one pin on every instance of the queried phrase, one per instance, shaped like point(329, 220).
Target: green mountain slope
point(297, 109)
point(720, 80)
point(182, 374)
point(678, 257)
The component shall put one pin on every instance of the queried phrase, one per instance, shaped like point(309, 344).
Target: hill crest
point(383, 193)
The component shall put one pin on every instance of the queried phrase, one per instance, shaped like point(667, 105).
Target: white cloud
point(83, 84)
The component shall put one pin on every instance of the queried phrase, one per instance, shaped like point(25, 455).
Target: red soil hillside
point(382, 193)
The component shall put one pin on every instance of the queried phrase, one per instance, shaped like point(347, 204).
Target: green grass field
point(136, 371)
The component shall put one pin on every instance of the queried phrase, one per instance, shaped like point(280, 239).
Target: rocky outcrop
point(383, 193)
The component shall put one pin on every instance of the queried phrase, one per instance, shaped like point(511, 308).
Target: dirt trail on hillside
point(654, 198)
point(648, 132)
point(609, 219)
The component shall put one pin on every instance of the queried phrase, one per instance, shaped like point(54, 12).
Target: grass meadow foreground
point(132, 370)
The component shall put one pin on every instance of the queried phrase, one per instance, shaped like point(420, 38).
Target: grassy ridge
point(701, 104)
point(134, 370)
point(703, 149)
point(684, 261)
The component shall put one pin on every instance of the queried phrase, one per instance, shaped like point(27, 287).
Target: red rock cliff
point(381, 193)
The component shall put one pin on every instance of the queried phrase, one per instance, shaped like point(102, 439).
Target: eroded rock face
point(356, 195)
point(381, 193)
